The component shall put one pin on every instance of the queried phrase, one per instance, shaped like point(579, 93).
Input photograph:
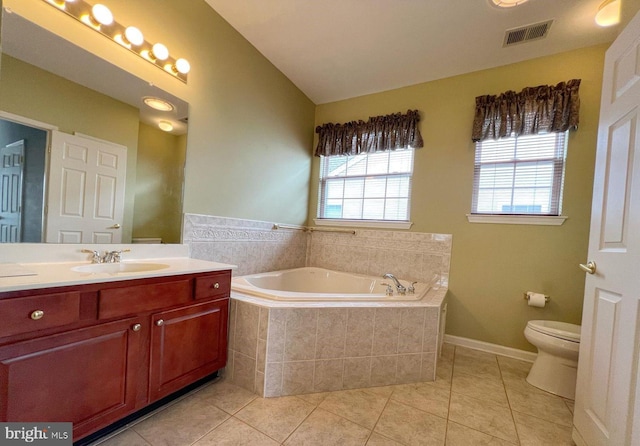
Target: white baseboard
point(491, 348)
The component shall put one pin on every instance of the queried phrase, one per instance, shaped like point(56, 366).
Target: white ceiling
point(338, 49)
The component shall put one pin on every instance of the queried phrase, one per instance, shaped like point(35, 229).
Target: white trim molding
point(26, 121)
point(491, 348)
point(545, 220)
point(379, 224)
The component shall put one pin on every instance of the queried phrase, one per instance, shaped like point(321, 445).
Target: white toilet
point(556, 365)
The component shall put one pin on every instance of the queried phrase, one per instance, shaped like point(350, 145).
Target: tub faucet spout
point(401, 288)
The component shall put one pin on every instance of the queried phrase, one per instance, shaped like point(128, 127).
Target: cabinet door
point(186, 344)
point(86, 376)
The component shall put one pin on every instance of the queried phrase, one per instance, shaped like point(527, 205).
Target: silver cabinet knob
point(136, 327)
point(37, 314)
point(590, 267)
point(160, 322)
point(215, 285)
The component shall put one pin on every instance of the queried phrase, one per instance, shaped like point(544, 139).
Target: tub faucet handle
point(389, 291)
point(411, 289)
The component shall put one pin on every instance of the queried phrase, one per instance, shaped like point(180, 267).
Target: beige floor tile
point(384, 391)
point(489, 418)
point(182, 423)
point(444, 371)
point(520, 384)
point(447, 351)
point(359, 406)
point(276, 417)
point(411, 426)
point(536, 432)
point(313, 398)
point(226, 396)
point(378, 440)
point(326, 429)
point(480, 387)
point(476, 363)
point(514, 367)
point(427, 397)
point(233, 433)
point(459, 435)
point(548, 407)
point(128, 437)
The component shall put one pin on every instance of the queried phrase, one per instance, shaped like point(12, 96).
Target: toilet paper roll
point(536, 299)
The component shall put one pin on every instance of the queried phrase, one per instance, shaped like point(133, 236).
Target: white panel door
point(86, 190)
point(606, 409)
point(11, 171)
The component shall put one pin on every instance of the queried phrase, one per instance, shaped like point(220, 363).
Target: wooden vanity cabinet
point(108, 349)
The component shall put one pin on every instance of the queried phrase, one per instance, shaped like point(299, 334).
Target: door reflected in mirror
point(47, 86)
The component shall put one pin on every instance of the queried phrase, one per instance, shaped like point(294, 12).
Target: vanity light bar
point(99, 18)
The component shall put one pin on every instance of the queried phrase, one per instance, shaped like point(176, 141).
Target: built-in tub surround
point(297, 345)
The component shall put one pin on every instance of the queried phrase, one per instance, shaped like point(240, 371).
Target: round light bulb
point(101, 14)
point(134, 35)
point(182, 66)
point(165, 125)
point(160, 51)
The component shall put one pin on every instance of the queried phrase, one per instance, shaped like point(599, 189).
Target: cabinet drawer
point(213, 285)
point(116, 302)
point(24, 314)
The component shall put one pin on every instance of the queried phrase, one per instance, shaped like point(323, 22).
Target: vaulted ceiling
point(338, 49)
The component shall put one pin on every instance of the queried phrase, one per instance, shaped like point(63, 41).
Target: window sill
point(545, 220)
point(379, 224)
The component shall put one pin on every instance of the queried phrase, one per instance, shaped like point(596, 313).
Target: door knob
point(590, 267)
point(136, 327)
point(159, 322)
point(116, 226)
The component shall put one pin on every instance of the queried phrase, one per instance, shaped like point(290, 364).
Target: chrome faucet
point(108, 257)
point(401, 288)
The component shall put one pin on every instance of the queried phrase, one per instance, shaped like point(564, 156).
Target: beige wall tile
point(328, 375)
point(276, 334)
point(428, 370)
point(261, 355)
point(297, 377)
point(359, 336)
point(332, 326)
point(263, 323)
point(411, 330)
point(357, 373)
point(273, 379)
point(385, 331)
point(246, 332)
point(383, 370)
point(244, 371)
point(430, 338)
point(300, 336)
point(409, 368)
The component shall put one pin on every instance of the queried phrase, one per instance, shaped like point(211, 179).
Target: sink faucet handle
point(95, 255)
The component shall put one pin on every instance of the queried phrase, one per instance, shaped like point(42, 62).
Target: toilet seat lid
point(562, 330)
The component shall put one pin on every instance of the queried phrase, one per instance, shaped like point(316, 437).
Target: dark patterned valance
point(533, 110)
point(379, 133)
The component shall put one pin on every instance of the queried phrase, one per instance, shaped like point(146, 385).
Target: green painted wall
point(28, 91)
point(159, 180)
point(493, 265)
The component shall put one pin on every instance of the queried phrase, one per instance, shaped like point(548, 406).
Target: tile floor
point(478, 399)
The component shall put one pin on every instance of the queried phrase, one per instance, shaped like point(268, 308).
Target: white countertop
point(53, 263)
point(61, 274)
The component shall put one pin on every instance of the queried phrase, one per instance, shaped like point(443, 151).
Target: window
point(519, 175)
point(368, 186)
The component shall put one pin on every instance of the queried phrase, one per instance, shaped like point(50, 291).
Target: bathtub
point(308, 330)
point(318, 284)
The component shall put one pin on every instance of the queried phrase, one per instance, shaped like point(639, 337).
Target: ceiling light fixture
point(99, 18)
point(608, 13)
point(165, 126)
point(158, 104)
point(507, 3)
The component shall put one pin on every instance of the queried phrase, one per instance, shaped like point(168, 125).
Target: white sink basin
point(116, 268)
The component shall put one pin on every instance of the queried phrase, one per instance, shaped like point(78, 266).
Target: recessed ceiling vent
point(527, 33)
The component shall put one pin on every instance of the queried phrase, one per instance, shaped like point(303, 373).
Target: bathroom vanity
point(102, 346)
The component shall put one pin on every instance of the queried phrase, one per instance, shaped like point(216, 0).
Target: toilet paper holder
point(526, 297)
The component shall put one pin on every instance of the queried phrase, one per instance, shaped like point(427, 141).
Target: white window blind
point(369, 186)
point(519, 175)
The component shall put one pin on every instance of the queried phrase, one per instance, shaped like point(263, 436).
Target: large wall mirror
point(61, 104)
